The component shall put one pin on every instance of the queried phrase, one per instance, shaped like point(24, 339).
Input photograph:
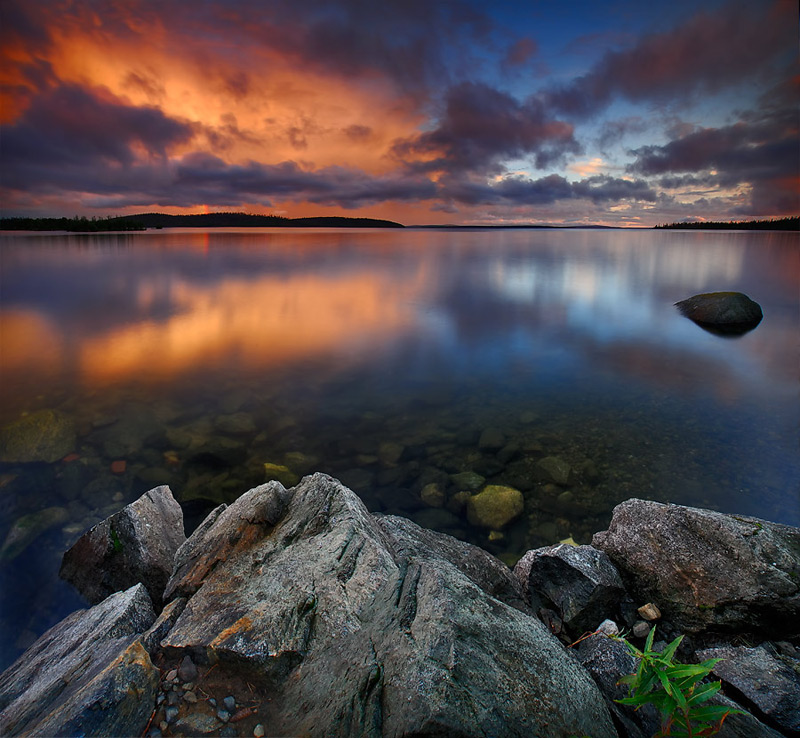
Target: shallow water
point(392, 360)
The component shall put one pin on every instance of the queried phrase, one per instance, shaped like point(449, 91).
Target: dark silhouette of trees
point(778, 224)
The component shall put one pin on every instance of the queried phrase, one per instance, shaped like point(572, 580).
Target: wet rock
point(235, 424)
point(137, 544)
point(707, 570)
point(88, 675)
point(495, 506)
point(433, 495)
point(151, 638)
point(728, 312)
point(371, 626)
point(46, 435)
point(579, 582)
point(303, 463)
point(28, 528)
point(554, 469)
point(187, 671)
point(280, 473)
point(768, 682)
point(467, 480)
point(138, 427)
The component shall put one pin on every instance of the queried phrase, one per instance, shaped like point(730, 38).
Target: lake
point(415, 365)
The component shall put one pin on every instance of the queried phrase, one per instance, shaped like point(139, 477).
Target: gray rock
point(731, 310)
point(87, 675)
point(706, 570)
point(46, 435)
point(741, 725)
point(365, 626)
point(764, 679)
point(468, 480)
point(187, 671)
point(151, 638)
point(579, 582)
point(137, 544)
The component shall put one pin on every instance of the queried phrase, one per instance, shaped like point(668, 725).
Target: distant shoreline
point(145, 221)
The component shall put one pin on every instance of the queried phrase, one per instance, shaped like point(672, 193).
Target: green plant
point(676, 690)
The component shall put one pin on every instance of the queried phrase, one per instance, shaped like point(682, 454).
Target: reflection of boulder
point(723, 313)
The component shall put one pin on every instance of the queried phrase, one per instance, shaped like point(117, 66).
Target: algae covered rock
point(46, 435)
point(280, 473)
point(495, 506)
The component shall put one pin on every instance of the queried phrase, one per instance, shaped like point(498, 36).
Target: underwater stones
point(235, 424)
point(135, 545)
point(433, 495)
point(468, 480)
point(28, 528)
point(554, 469)
point(390, 452)
point(45, 435)
point(302, 462)
point(727, 312)
point(280, 473)
point(491, 439)
point(495, 506)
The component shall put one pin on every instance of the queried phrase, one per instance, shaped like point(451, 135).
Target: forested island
point(778, 224)
point(144, 221)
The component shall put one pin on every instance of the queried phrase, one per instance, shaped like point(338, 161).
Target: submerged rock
point(88, 675)
point(137, 544)
point(46, 435)
point(372, 626)
point(495, 506)
point(28, 528)
point(280, 473)
point(726, 312)
point(554, 469)
point(706, 570)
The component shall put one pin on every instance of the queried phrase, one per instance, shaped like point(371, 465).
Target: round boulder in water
point(726, 313)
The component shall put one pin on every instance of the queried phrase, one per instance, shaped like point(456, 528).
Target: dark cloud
point(762, 152)
point(520, 52)
point(516, 190)
point(71, 126)
point(480, 126)
point(710, 51)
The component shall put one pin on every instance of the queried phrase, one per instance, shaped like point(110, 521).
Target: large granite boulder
point(371, 626)
point(579, 582)
point(45, 435)
point(706, 570)
point(137, 544)
point(727, 312)
point(89, 675)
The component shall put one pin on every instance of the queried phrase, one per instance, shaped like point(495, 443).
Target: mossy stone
point(46, 435)
point(495, 506)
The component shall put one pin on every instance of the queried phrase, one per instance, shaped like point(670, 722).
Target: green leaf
point(669, 651)
point(712, 713)
point(703, 693)
point(648, 644)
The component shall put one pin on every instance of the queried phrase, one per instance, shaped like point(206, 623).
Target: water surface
point(393, 360)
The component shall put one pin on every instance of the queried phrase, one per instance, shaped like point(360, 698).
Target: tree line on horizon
point(143, 221)
point(792, 223)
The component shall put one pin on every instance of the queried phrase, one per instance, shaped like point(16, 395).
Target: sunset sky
point(617, 112)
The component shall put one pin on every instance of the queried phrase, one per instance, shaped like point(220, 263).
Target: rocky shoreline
point(297, 612)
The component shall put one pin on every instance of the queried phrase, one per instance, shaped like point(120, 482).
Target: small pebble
point(160, 699)
point(190, 697)
point(189, 686)
point(154, 733)
point(171, 714)
point(171, 675)
point(228, 731)
point(173, 698)
point(230, 703)
point(212, 702)
point(163, 725)
point(641, 629)
point(259, 731)
point(223, 716)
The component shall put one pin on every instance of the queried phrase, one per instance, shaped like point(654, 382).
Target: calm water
point(393, 360)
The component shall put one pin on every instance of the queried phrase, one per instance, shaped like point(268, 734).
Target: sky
point(616, 112)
